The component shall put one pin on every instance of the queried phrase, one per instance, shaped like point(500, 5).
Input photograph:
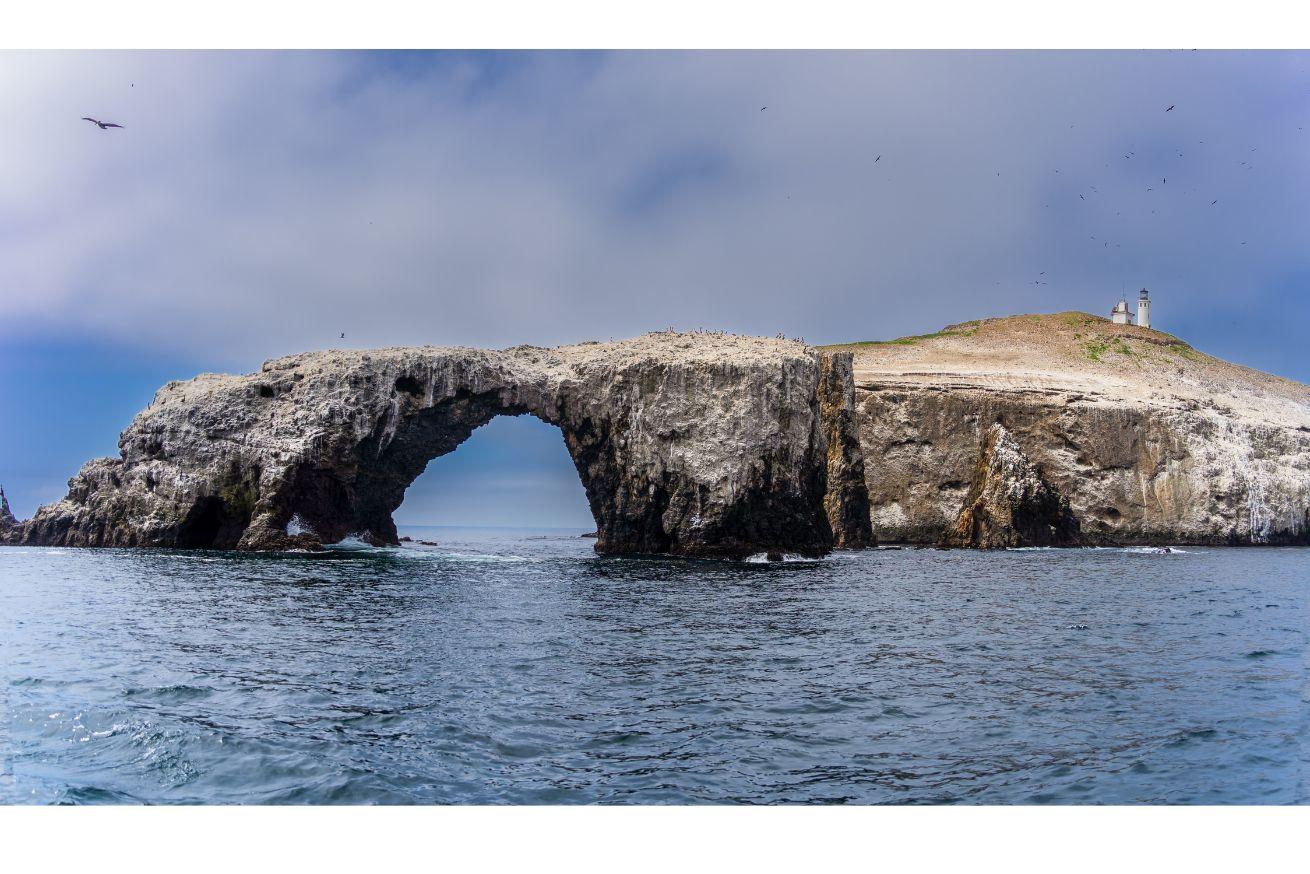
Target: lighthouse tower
point(1143, 309)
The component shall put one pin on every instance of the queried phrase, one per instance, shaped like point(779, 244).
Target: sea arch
point(690, 444)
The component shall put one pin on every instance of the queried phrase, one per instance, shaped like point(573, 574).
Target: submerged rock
point(1010, 504)
point(687, 444)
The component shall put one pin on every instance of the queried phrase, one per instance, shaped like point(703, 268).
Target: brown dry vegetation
point(1079, 352)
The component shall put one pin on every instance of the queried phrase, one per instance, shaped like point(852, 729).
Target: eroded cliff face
point(1148, 440)
point(687, 444)
point(1010, 503)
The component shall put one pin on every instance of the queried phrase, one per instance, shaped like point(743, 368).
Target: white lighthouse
point(1143, 309)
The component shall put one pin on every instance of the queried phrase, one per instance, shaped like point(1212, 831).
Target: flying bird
point(1171, 108)
point(101, 124)
point(343, 336)
point(879, 158)
point(762, 108)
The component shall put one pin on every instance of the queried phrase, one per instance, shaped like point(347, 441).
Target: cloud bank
point(262, 203)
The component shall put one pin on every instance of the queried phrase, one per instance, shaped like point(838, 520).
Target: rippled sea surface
point(518, 667)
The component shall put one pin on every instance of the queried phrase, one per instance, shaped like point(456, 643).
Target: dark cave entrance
point(212, 524)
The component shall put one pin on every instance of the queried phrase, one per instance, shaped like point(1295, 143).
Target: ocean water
point(517, 667)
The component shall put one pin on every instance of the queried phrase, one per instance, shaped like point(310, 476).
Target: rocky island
point(1067, 429)
point(1050, 430)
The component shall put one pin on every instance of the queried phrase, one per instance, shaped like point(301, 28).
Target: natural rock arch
point(513, 472)
point(690, 444)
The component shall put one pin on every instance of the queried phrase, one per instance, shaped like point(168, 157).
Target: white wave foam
point(353, 542)
point(763, 558)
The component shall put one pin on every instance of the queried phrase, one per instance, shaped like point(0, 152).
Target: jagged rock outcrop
point(1010, 504)
point(687, 444)
point(1151, 441)
point(7, 520)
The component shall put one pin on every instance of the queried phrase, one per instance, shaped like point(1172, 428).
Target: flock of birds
point(1106, 244)
point(1130, 155)
point(1164, 180)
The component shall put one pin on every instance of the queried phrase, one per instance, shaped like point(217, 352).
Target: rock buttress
point(847, 498)
point(1010, 504)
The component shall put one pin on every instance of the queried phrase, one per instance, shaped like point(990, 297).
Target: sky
point(256, 204)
